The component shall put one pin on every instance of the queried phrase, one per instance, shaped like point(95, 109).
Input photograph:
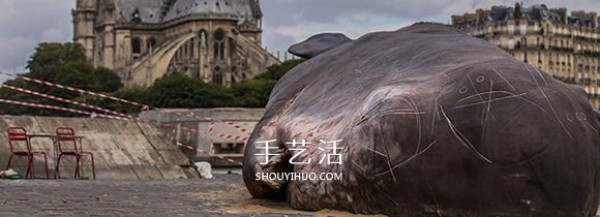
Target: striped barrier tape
point(92, 114)
point(233, 124)
point(209, 132)
point(238, 126)
point(221, 135)
point(59, 108)
point(56, 98)
point(202, 151)
point(78, 90)
point(225, 136)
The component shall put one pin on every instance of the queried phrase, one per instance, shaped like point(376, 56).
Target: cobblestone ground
point(224, 195)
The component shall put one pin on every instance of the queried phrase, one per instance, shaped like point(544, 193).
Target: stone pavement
point(224, 195)
point(114, 197)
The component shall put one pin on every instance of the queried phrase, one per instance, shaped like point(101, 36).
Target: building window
point(217, 75)
point(136, 45)
point(136, 16)
point(151, 44)
point(219, 46)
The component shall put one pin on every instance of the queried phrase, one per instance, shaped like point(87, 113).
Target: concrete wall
point(122, 150)
point(173, 122)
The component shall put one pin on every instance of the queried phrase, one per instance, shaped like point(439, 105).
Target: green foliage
point(49, 57)
point(275, 72)
point(109, 80)
point(252, 94)
point(66, 64)
point(179, 91)
point(60, 63)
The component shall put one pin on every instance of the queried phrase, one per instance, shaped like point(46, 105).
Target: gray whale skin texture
point(432, 122)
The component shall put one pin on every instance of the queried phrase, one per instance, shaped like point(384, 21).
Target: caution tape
point(120, 116)
point(36, 105)
point(209, 132)
point(78, 90)
point(202, 151)
point(59, 108)
point(233, 124)
point(220, 135)
point(237, 126)
point(56, 98)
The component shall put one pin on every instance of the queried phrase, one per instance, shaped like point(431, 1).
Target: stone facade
point(218, 41)
point(565, 46)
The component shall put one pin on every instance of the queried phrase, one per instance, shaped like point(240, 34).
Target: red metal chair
point(68, 145)
point(16, 137)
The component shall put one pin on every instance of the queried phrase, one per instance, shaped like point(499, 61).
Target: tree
point(110, 81)
point(49, 57)
point(67, 64)
point(179, 91)
point(60, 63)
point(275, 72)
point(253, 94)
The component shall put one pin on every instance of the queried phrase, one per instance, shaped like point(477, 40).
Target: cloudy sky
point(24, 23)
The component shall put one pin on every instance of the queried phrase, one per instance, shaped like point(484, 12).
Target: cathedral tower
point(84, 15)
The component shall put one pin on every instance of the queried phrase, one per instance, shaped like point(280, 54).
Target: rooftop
point(532, 14)
point(156, 11)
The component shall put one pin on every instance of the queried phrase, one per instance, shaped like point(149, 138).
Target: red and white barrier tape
point(74, 89)
point(128, 117)
point(233, 124)
point(237, 126)
point(202, 151)
point(221, 135)
point(209, 133)
point(36, 105)
point(120, 116)
point(59, 108)
point(56, 98)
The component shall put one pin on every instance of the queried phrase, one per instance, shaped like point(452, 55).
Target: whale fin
point(318, 44)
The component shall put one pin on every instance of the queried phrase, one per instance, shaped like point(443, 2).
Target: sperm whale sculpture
point(428, 121)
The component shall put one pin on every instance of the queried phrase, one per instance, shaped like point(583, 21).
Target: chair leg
point(46, 164)
point(29, 167)
point(93, 167)
point(58, 166)
point(77, 167)
point(9, 161)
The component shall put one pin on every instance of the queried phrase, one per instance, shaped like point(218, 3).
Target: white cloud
point(15, 50)
point(25, 23)
point(53, 35)
point(8, 11)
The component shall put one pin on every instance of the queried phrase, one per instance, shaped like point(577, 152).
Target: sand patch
point(243, 203)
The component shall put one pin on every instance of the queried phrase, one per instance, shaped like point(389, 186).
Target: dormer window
point(136, 15)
